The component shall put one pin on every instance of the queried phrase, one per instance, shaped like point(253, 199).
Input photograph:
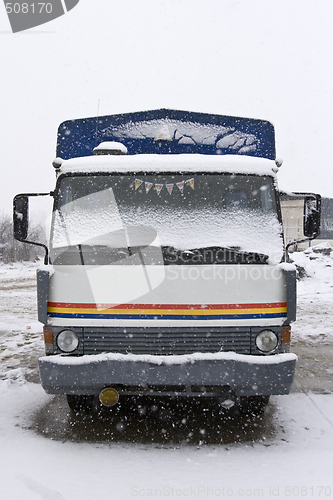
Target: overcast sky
point(269, 59)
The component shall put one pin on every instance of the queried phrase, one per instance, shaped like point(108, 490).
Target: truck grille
point(166, 341)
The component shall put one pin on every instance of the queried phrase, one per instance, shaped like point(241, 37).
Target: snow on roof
point(110, 147)
point(186, 132)
point(166, 131)
point(170, 163)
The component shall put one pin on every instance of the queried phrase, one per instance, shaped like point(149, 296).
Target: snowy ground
point(48, 454)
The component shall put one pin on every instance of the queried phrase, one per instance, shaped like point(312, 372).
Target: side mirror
point(20, 217)
point(21, 220)
point(311, 217)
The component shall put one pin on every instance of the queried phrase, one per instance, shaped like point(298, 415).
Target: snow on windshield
point(183, 212)
point(88, 217)
point(250, 231)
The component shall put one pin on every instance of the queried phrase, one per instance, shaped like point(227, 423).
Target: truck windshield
point(196, 218)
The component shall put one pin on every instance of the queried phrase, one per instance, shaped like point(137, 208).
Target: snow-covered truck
point(166, 272)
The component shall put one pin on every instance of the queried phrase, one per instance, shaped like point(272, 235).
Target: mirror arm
point(46, 257)
point(295, 242)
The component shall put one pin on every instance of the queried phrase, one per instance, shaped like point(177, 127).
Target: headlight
point(266, 341)
point(67, 341)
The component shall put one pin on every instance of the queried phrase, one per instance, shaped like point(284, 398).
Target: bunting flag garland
point(190, 182)
point(138, 183)
point(169, 188)
point(158, 186)
point(148, 186)
point(180, 186)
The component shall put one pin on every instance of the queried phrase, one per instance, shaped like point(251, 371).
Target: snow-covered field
point(48, 454)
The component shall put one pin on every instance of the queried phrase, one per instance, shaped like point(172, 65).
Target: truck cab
point(166, 271)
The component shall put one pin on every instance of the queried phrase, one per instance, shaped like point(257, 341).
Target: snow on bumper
point(246, 374)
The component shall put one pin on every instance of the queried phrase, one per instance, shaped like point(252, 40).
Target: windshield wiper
point(211, 255)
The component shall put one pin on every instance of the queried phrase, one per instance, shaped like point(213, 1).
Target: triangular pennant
point(159, 188)
point(169, 188)
point(190, 182)
point(148, 186)
point(180, 186)
point(138, 183)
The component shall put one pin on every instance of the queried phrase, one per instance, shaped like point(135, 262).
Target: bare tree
point(12, 250)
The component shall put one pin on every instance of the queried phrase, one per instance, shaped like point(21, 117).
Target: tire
point(80, 403)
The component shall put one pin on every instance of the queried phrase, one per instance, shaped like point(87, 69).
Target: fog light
point(266, 341)
point(67, 341)
point(109, 397)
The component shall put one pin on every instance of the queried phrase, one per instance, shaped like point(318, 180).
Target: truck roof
point(189, 163)
point(167, 131)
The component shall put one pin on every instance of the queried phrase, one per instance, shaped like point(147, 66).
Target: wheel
point(79, 403)
point(254, 405)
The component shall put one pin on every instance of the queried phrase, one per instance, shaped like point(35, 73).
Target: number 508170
point(28, 8)
point(306, 491)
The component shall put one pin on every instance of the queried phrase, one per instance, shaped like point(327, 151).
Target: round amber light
point(109, 397)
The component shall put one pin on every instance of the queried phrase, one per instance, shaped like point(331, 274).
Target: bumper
point(184, 375)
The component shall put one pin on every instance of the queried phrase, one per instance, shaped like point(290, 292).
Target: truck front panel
point(166, 280)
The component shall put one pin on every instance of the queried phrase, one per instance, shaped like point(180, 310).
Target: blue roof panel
point(167, 131)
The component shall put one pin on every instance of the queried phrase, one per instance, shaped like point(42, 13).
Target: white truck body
point(167, 272)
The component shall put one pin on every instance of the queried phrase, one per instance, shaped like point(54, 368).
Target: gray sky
point(269, 59)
